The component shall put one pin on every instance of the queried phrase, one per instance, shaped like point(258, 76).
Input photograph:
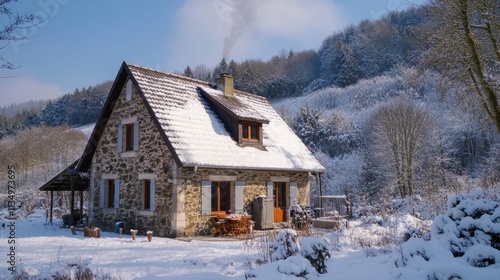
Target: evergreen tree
point(56, 113)
point(31, 119)
point(219, 69)
point(188, 72)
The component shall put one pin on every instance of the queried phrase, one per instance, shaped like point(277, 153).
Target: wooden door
point(279, 201)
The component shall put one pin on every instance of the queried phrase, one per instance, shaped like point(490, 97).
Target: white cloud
point(18, 90)
point(250, 28)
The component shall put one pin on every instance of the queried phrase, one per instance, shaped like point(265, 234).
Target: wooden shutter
point(152, 195)
point(120, 138)
point(128, 95)
point(293, 194)
point(102, 193)
point(136, 136)
point(238, 197)
point(270, 187)
point(117, 193)
point(206, 197)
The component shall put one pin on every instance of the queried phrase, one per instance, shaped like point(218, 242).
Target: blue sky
point(83, 43)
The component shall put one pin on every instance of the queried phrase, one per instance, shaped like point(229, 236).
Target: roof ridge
point(168, 74)
point(193, 80)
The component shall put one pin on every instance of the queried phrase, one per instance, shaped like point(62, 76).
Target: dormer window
point(238, 114)
point(251, 132)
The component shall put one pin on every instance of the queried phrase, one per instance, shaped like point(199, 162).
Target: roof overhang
point(67, 180)
point(253, 168)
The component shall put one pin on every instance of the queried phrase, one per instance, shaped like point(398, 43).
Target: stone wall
point(153, 157)
point(255, 183)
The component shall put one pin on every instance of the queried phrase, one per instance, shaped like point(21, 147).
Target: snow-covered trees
point(335, 123)
point(466, 48)
point(81, 107)
point(398, 131)
point(372, 48)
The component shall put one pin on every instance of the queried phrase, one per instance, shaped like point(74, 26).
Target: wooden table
point(233, 226)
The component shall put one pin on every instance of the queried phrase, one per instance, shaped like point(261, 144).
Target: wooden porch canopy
point(67, 180)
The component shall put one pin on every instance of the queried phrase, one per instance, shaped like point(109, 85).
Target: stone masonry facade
point(152, 157)
point(178, 190)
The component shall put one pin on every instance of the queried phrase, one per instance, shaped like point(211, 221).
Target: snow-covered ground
point(86, 129)
point(365, 250)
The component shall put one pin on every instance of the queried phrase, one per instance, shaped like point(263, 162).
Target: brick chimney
point(227, 84)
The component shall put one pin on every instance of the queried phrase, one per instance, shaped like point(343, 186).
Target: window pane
point(111, 194)
point(129, 137)
point(282, 197)
point(215, 196)
point(280, 193)
point(254, 132)
point(147, 194)
point(244, 128)
point(224, 196)
point(221, 196)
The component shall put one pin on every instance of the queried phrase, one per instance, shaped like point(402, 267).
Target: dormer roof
point(235, 105)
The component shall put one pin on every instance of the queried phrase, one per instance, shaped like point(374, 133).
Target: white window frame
point(152, 194)
point(121, 137)
point(103, 200)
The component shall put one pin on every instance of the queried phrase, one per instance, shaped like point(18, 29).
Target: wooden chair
point(219, 225)
point(246, 224)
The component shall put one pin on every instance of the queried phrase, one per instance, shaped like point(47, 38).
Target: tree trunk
point(477, 66)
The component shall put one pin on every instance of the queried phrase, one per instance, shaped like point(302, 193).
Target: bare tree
point(397, 131)
point(14, 27)
point(466, 48)
point(38, 154)
point(202, 72)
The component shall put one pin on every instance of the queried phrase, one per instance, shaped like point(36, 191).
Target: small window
point(110, 193)
point(129, 137)
point(146, 194)
point(250, 132)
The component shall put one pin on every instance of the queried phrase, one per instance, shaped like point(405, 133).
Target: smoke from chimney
point(235, 31)
point(236, 15)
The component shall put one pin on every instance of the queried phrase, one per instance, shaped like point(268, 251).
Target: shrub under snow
point(301, 215)
point(312, 259)
point(285, 245)
point(468, 233)
point(314, 248)
point(471, 220)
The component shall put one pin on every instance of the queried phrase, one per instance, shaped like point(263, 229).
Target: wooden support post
point(72, 201)
point(81, 205)
point(51, 205)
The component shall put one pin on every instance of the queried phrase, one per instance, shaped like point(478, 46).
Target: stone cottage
point(168, 150)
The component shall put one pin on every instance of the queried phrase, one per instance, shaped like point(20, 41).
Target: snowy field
point(364, 251)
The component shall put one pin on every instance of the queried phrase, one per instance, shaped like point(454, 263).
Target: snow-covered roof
point(234, 104)
point(196, 135)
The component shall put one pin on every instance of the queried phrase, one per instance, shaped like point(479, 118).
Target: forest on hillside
point(375, 103)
